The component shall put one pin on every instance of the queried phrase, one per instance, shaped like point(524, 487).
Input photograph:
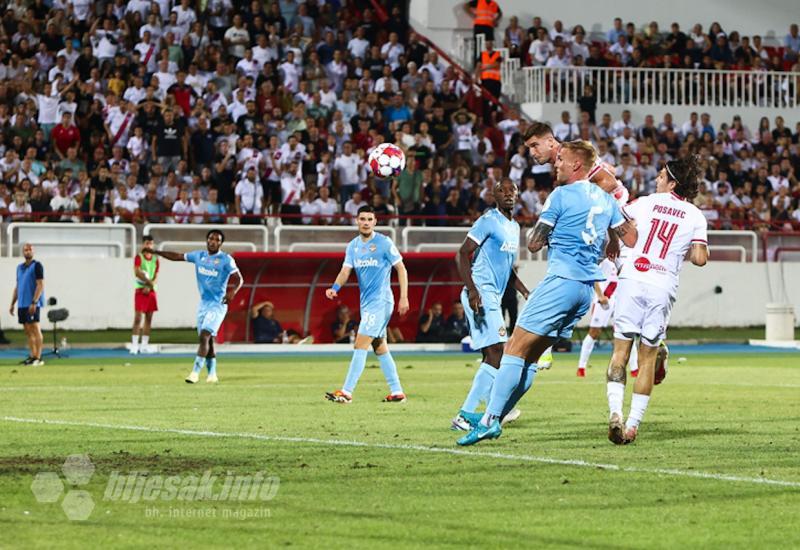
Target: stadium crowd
point(155, 111)
point(649, 47)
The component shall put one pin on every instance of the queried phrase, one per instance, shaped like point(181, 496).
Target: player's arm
point(602, 299)
point(627, 233)
point(539, 236)
point(171, 256)
point(37, 293)
point(239, 281)
point(402, 278)
point(698, 254)
point(605, 178)
point(344, 274)
point(142, 276)
point(464, 264)
point(519, 286)
point(13, 300)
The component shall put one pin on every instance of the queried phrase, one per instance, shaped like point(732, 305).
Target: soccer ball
point(386, 160)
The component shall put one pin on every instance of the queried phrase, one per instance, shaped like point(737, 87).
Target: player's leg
point(658, 307)
point(615, 386)
point(633, 362)
point(357, 363)
point(38, 340)
point(586, 349)
point(29, 341)
point(211, 362)
point(203, 346)
point(148, 321)
point(135, 332)
point(389, 369)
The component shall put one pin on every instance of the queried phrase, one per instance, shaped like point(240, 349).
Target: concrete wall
point(99, 293)
point(769, 18)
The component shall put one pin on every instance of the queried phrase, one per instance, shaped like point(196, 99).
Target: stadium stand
point(135, 113)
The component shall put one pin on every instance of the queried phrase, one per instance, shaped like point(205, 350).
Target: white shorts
point(602, 315)
point(641, 309)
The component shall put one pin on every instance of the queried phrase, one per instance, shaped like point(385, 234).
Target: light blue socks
point(389, 369)
point(481, 387)
point(357, 364)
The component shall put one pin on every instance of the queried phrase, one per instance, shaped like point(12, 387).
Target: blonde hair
point(584, 150)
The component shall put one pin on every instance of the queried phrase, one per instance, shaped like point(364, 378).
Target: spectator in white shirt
point(622, 48)
point(197, 206)
point(290, 72)
point(566, 130)
point(559, 59)
point(249, 199)
point(326, 207)
point(392, 50)
point(776, 179)
point(181, 208)
point(352, 205)
point(358, 45)
point(348, 167)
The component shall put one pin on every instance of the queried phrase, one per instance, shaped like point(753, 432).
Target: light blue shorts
point(210, 316)
point(489, 328)
point(375, 319)
point(556, 306)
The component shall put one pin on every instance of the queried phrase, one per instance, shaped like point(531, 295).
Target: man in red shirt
point(183, 93)
point(64, 135)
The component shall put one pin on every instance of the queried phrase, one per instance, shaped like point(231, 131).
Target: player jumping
point(145, 302)
point(574, 223)
point(543, 147)
point(648, 285)
point(492, 243)
point(372, 255)
point(213, 268)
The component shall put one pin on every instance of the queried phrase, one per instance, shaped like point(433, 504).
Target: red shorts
point(145, 303)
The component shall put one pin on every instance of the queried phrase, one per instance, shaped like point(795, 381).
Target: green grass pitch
point(373, 475)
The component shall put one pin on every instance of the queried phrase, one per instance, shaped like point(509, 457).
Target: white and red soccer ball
point(386, 160)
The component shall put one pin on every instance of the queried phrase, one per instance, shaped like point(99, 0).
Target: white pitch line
point(419, 448)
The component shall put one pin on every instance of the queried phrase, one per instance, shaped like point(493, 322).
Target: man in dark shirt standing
point(28, 296)
point(95, 202)
point(170, 143)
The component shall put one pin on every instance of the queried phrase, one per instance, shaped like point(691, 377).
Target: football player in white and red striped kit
point(669, 226)
point(544, 147)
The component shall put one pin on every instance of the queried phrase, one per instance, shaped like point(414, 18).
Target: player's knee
point(493, 354)
point(377, 344)
point(652, 342)
point(594, 333)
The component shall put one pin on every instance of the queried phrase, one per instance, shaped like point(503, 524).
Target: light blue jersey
point(372, 261)
point(580, 214)
point(212, 271)
point(498, 241)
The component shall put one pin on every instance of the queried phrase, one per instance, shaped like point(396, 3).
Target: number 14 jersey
point(668, 226)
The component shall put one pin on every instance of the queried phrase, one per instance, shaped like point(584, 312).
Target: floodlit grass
point(723, 415)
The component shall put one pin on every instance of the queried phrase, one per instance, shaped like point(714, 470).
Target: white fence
point(85, 240)
point(122, 240)
point(253, 238)
point(634, 86)
point(296, 238)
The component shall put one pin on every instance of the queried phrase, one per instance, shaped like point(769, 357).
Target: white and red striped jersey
point(668, 226)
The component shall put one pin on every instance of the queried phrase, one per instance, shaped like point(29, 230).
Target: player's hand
point(11, 309)
point(228, 297)
point(474, 300)
point(146, 290)
point(402, 307)
point(331, 294)
point(32, 309)
point(603, 301)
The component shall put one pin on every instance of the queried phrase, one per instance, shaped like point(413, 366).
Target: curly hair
point(686, 173)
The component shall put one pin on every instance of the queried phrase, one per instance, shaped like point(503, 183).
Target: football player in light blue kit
point(213, 269)
point(372, 256)
point(493, 245)
point(574, 223)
